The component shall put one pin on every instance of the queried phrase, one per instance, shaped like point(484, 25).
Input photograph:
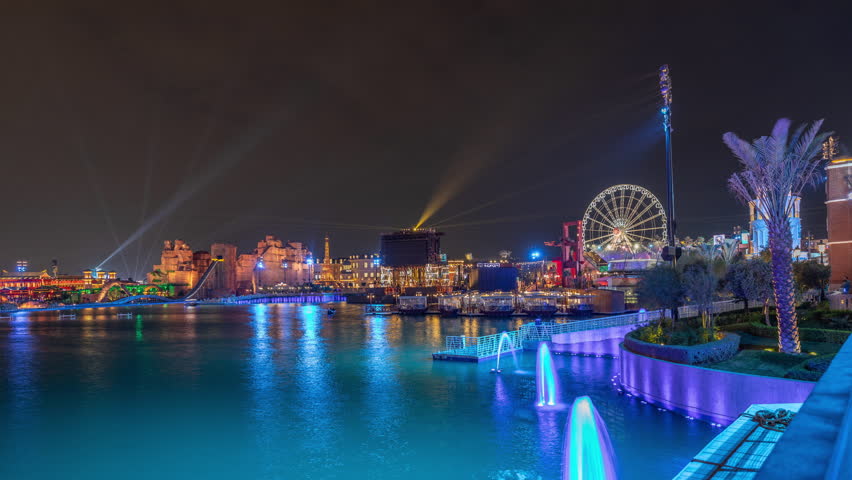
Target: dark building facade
point(408, 248)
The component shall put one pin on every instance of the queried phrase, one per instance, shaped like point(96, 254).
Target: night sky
point(224, 121)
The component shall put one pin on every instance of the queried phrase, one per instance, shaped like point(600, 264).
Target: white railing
point(486, 346)
point(689, 311)
point(544, 331)
point(482, 347)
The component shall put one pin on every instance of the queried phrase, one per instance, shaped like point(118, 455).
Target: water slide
point(201, 280)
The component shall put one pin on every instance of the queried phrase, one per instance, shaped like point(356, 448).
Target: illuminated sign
point(487, 265)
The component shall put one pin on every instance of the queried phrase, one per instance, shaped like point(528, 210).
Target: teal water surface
point(284, 391)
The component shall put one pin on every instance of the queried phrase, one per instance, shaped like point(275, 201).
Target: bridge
point(282, 298)
point(475, 349)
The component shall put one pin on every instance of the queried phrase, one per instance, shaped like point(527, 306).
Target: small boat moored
point(497, 304)
point(412, 305)
point(379, 309)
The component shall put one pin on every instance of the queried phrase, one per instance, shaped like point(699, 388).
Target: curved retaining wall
point(601, 341)
point(716, 351)
point(711, 395)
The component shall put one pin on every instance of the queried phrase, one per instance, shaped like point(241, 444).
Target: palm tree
point(774, 168)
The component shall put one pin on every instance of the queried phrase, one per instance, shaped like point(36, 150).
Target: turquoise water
point(286, 392)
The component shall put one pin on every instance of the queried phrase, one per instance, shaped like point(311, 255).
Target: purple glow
point(714, 396)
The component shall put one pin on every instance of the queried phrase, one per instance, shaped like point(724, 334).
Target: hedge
point(711, 352)
point(812, 369)
point(805, 334)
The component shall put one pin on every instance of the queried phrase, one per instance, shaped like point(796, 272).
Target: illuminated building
point(21, 286)
point(412, 258)
point(223, 280)
point(838, 202)
point(176, 266)
point(760, 231)
point(365, 270)
point(273, 263)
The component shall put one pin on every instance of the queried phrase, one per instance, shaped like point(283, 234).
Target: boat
point(537, 304)
point(379, 309)
point(449, 305)
point(580, 305)
point(497, 304)
point(412, 305)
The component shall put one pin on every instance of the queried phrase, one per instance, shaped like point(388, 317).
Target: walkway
point(474, 349)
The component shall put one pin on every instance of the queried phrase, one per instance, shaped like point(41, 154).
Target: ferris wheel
point(624, 218)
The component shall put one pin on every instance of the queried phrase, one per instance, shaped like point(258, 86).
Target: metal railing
point(487, 346)
point(544, 331)
point(482, 347)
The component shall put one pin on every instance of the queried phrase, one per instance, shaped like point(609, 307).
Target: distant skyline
point(212, 123)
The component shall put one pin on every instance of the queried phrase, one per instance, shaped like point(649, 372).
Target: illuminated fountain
point(503, 338)
point(545, 378)
point(587, 453)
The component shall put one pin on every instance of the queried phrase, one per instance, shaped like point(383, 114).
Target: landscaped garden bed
point(683, 343)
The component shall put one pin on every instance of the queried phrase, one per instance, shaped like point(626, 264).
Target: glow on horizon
point(587, 452)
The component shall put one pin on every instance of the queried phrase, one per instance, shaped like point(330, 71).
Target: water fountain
point(545, 376)
point(587, 453)
point(503, 338)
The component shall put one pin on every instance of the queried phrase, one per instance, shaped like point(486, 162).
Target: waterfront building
point(365, 270)
point(838, 202)
point(275, 263)
point(176, 266)
point(223, 280)
point(412, 258)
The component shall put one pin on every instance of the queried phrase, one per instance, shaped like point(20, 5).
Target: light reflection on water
point(286, 391)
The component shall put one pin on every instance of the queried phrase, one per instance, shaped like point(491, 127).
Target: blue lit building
point(760, 232)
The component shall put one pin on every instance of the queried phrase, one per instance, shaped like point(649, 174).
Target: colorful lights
point(535, 254)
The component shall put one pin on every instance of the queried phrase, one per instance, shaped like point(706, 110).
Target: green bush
point(811, 369)
point(753, 315)
point(701, 354)
point(805, 334)
point(669, 333)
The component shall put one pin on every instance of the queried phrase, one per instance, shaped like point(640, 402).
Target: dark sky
point(229, 120)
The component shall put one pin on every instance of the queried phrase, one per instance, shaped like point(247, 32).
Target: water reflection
point(21, 372)
point(317, 405)
point(384, 400)
point(263, 383)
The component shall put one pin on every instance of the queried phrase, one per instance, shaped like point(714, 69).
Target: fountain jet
point(587, 453)
point(545, 376)
point(503, 338)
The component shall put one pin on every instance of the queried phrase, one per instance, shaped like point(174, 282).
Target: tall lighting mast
point(671, 252)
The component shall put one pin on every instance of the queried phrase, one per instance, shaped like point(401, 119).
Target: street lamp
point(671, 252)
point(821, 248)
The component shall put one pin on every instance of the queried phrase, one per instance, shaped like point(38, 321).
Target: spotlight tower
point(671, 252)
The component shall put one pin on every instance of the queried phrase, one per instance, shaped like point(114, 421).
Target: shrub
point(712, 352)
point(805, 334)
point(811, 369)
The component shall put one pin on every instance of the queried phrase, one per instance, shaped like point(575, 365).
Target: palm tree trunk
point(780, 245)
point(766, 313)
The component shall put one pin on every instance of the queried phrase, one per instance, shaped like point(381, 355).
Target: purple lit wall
point(712, 395)
point(602, 341)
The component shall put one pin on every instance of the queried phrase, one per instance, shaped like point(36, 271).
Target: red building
point(838, 193)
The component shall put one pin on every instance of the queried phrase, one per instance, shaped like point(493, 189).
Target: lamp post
point(670, 252)
point(821, 248)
